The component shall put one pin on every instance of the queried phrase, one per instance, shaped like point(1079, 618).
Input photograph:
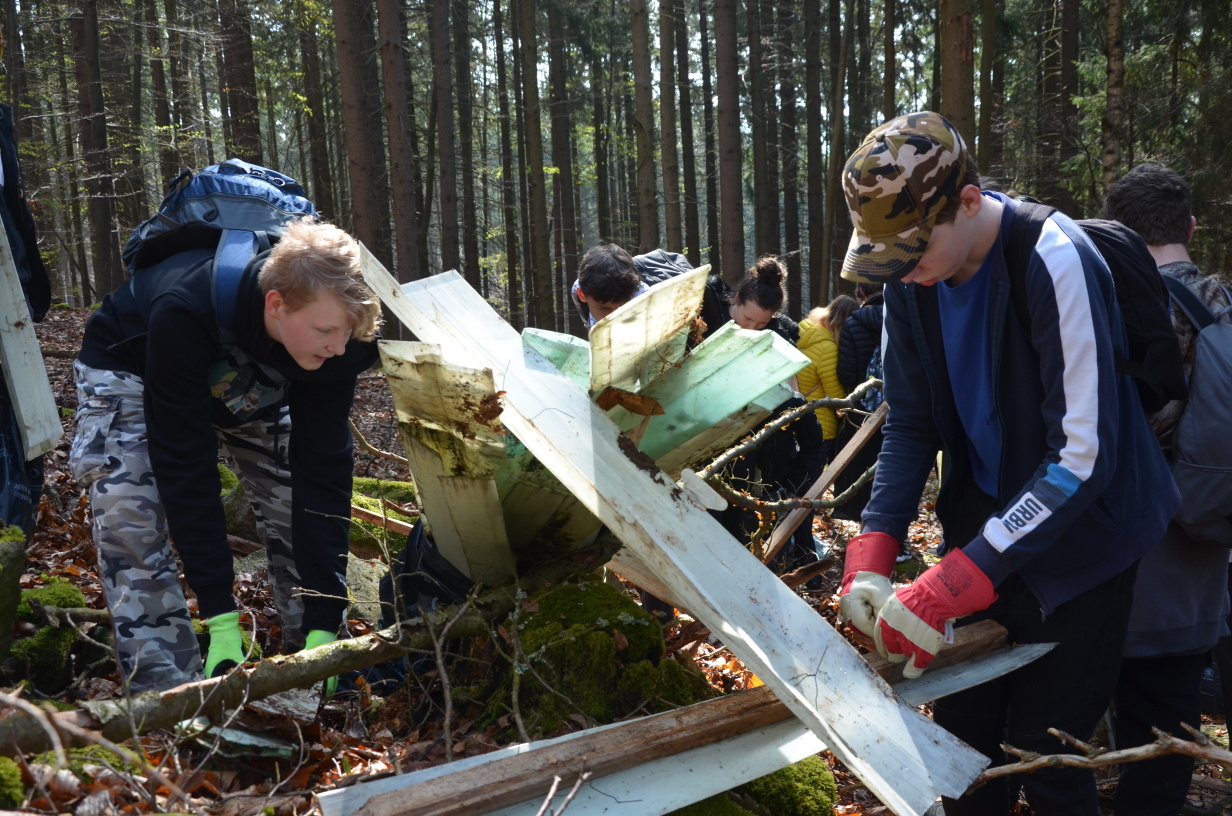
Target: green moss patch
point(804, 789)
point(12, 792)
point(589, 655)
point(56, 592)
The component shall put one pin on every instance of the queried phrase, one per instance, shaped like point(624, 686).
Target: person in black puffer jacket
point(860, 336)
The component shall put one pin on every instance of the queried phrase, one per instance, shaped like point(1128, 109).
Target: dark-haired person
point(1054, 485)
point(609, 277)
point(791, 459)
point(1181, 595)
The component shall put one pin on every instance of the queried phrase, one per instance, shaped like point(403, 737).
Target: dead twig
point(1163, 745)
point(364, 444)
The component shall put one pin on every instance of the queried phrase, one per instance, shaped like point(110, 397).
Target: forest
point(502, 138)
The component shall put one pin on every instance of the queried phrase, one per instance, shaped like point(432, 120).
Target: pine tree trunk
point(692, 224)
point(731, 181)
point(466, 136)
point(240, 75)
point(957, 65)
point(647, 189)
point(168, 156)
point(1114, 113)
point(399, 125)
point(791, 163)
point(818, 207)
point(509, 210)
point(668, 154)
point(540, 263)
point(321, 188)
point(562, 157)
point(712, 151)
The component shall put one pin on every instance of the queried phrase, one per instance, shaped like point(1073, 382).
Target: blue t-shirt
point(968, 355)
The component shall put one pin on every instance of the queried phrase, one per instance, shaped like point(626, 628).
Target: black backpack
point(1154, 356)
point(1201, 446)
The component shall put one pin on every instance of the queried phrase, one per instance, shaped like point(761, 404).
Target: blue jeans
point(1068, 688)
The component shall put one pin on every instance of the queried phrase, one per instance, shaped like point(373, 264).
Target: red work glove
point(866, 580)
point(915, 622)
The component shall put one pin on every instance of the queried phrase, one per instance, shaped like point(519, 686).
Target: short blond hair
point(312, 257)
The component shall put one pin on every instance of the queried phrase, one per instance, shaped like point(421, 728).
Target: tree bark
point(647, 189)
point(322, 187)
point(365, 144)
point(712, 152)
point(790, 141)
point(1114, 112)
point(168, 156)
point(509, 211)
point(669, 157)
point(731, 180)
point(469, 215)
point(889, 85)
point(562, 153)
point(446, 154)
point(957, 65)
point(692, 224)
point(399, 125)
point(240, 78)
point(105, 247)
point(541, 264)
point(818, 207)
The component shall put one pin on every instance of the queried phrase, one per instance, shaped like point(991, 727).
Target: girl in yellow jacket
point(819, 341)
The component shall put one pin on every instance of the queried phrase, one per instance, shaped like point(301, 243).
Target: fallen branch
point(118, 720)
point(1091, 758)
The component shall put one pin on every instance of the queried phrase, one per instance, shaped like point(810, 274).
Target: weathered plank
point(647, 335)
point(454, 447)
point(905, 759)
point(679, 756)
point(25, 373)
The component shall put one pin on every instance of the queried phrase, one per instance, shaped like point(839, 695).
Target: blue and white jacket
point(1083, 488)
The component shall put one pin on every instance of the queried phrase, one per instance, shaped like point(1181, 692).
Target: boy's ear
point(971, 198)
point(273, 302)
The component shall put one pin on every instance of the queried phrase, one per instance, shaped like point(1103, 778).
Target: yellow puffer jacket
point(818, 345)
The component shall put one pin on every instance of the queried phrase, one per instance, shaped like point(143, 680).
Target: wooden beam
point(388, 522)
point(526, 772)
point(903, 757)
point(788, 525)
point(25, 373)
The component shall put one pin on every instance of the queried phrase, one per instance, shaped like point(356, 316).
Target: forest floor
point(348, 740)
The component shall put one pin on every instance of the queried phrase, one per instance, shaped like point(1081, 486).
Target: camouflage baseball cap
point(896, 183)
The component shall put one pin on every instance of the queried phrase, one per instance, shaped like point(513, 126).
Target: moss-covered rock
point(804, 789)
point(56, 592)
point(590, 650)
point(721, 805)
point(397, 492)
point(12, 792)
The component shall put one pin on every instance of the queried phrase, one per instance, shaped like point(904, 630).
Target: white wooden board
point(25, 373)
point(904, 758)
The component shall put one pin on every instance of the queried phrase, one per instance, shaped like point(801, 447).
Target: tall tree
point(168, 157)
point(314, 102)
point(105, 246)
point(712, 151)
point(1114, 110)
point(790, 142)
point(599, 90)
point(692, 227)
point(818, 206)
point(731, 176)
point(647, 189)
point(365, 145)
point(760, 128)
point(400, 126)
point(532, 116)
point(509, 208)
point(446, 151)
point(466, 135)
point(832, 245)
point(562, 148)
point(242, 125)
point(668, 155)
point(957, 65)
point(889, 84)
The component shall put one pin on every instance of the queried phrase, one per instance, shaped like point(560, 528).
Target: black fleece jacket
point(163, 328)
point(861, 334)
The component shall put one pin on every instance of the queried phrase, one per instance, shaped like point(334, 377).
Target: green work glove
point(320, 637)
point(226, 648)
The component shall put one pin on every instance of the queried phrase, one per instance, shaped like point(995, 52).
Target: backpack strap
point(1024, 233)
point(235, 249)
point(1189, 303)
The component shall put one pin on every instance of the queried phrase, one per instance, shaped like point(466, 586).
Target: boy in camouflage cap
point(1053, 485)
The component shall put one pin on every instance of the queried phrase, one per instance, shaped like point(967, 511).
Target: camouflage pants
point(154, 638)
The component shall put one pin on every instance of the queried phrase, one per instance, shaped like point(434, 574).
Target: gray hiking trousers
point(155, 643)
